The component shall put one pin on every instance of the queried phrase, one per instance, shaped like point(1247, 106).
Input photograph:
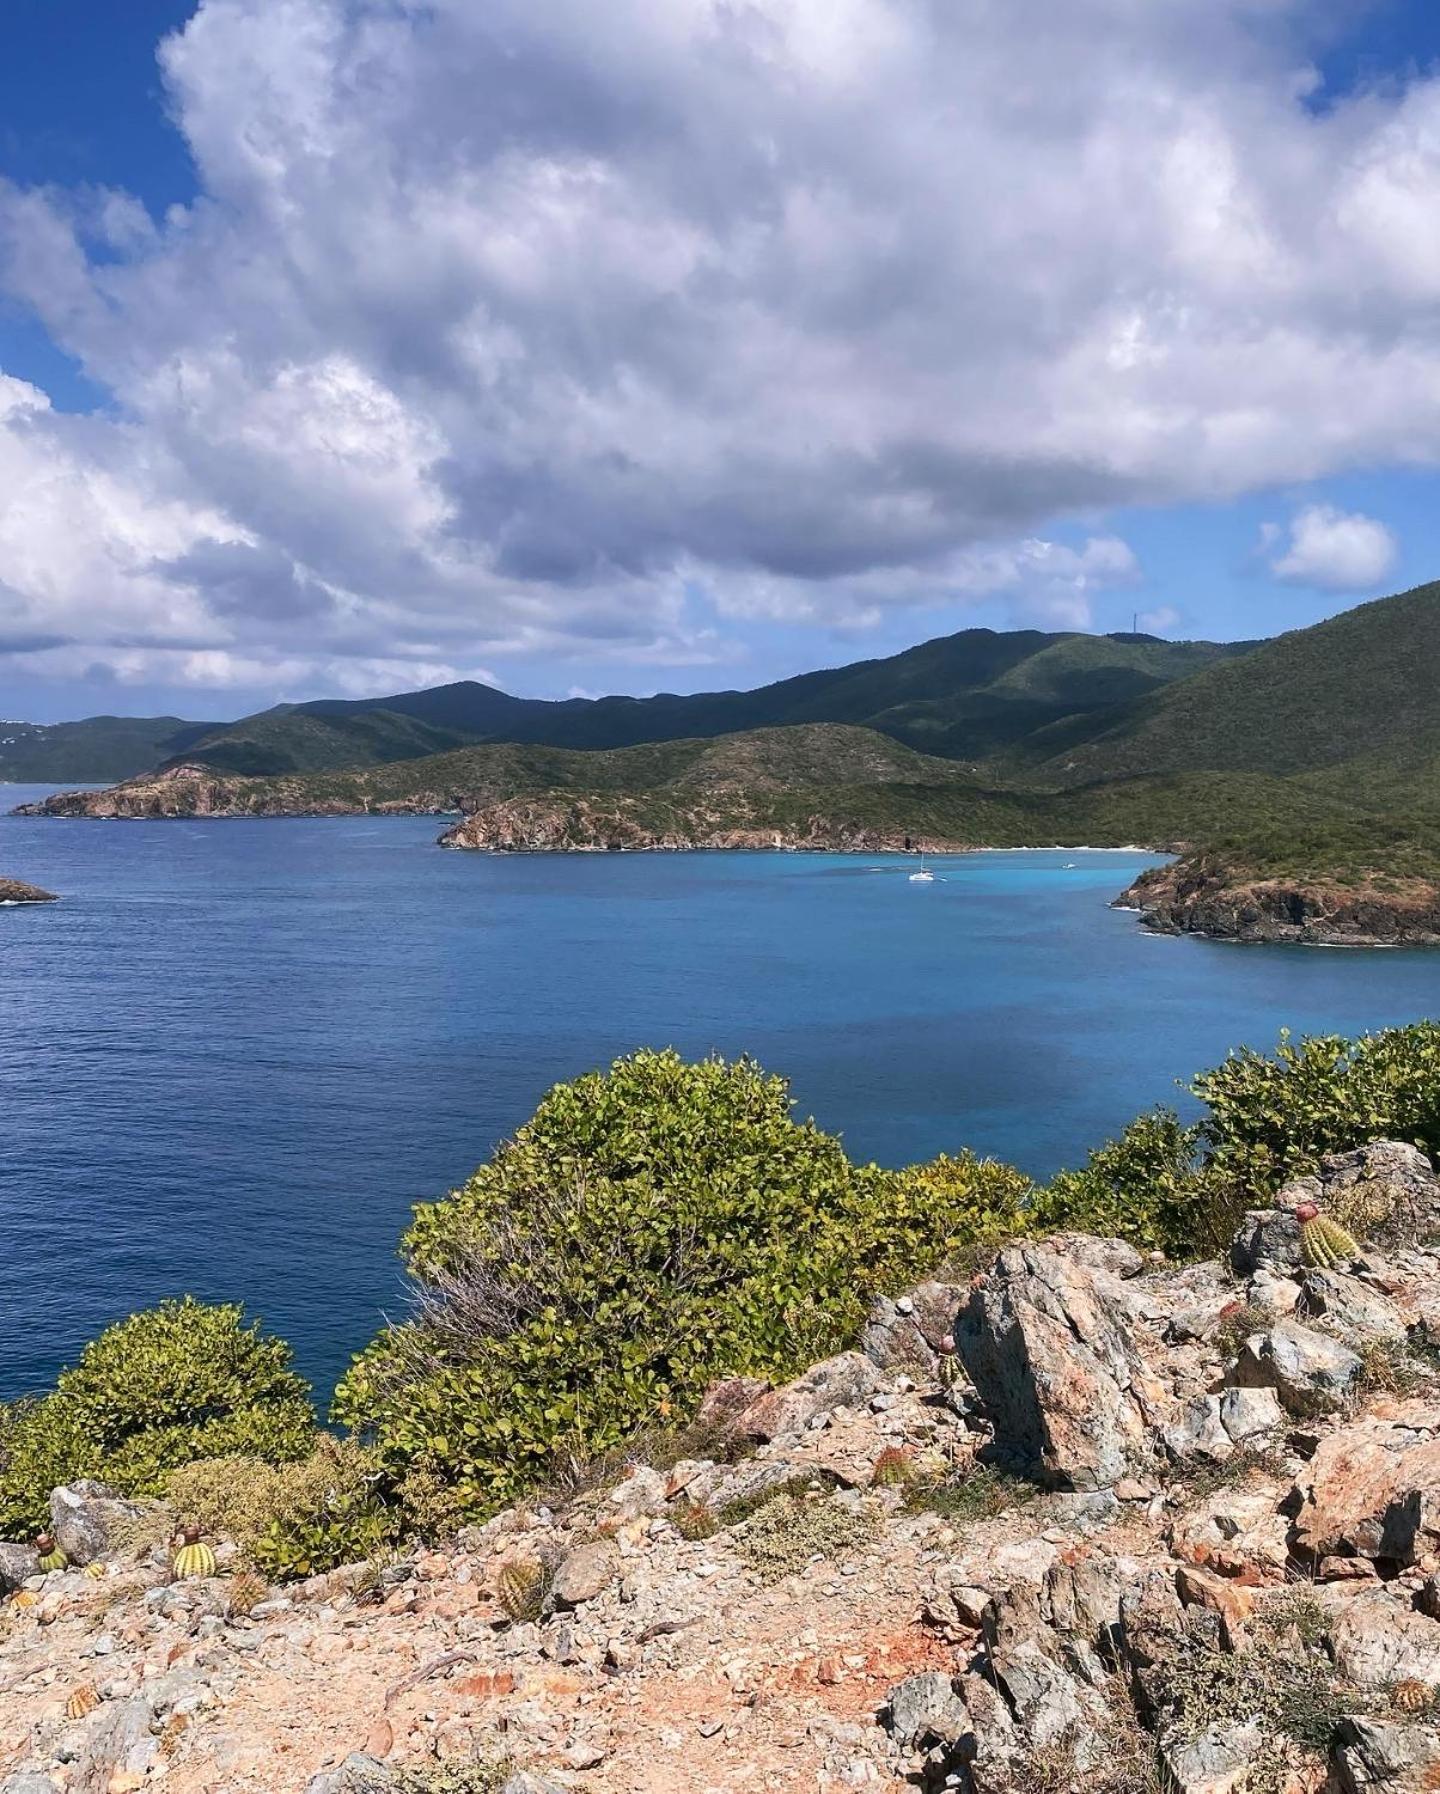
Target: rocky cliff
point(1200, 894)
point(1089, 1520)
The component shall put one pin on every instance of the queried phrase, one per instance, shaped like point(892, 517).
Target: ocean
point(237, 1052)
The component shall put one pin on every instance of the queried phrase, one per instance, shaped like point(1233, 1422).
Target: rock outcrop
point(1141, 1514)
point(13, 891)
point(1205, 895)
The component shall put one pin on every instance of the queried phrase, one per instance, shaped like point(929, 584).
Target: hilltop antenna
point(1134, 622)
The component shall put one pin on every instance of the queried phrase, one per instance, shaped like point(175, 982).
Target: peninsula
point(1298, 780)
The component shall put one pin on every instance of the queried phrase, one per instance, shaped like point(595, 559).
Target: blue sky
point(351, 345)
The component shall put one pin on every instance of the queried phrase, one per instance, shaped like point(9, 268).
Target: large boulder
point(908, 1333)
point(1372, 1491)
point(1386, 1191)
point(1049, 1339)
point(84, 1516)
point(1309, 1371)
point(845, 1381)
point(1376, 1641)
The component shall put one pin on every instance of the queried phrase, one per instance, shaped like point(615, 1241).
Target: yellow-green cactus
point(51, 1556)
point(194, 1558)
point(1324, 1244)
point(522, 1588)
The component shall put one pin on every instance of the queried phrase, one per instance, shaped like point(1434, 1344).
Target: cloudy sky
point(353, 345)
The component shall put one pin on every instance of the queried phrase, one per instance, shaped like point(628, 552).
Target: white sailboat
point(924, 876)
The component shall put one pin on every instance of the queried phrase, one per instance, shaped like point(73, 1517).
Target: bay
point(237, 1052)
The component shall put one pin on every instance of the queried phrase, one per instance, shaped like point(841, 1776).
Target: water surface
point(236, 1052)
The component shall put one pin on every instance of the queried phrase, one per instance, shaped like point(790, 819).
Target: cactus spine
point(51, 1556)
point(1324, 1244)
point(247, 1591)
point(193, 1558)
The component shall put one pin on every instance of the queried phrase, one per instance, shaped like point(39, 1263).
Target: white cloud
point(1338, 551)
point(1156, 622)
point(496, 331)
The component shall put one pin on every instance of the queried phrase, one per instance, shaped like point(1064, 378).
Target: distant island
point(1297, 780)
point(12, 890)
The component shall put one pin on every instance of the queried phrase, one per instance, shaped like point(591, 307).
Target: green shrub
point(1148, 1187)
point(650, 1229)
point(163, 1388)
point(293, 1519)
point(788, 1532)
point(1272, 1117)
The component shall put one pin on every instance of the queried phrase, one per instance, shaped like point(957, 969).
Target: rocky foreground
point(12, 890)
point(1090, 1521)
point(1201, 895)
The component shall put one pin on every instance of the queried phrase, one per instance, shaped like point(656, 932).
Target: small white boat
point(924, 876)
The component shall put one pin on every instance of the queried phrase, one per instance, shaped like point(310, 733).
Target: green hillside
point(100, 747)
point(968, 697)
point(1358, 688)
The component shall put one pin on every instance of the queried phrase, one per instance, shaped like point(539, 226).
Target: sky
point(350, 346)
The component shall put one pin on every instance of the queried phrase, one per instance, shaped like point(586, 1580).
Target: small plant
point(247, 1591)
point(1324, 1244)
point(1205, 1477)
point(893, 1468)
point(51, 1556)
point(81, 1702)
point(1238, 1320)
point(1411, 1696)
point(741, 1508)
point(194, 1559)
point(483, 1777)
point(523, 1587)
point(1390, 1367)
point(694, 1520)
point(980, 1493)
point(788, 1533)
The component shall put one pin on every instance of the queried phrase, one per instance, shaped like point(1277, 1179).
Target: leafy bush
point(788, 1532)
point(648, 1230)
point(163, 1388)
point(1184, 1188)
point(293, 1519)
point(1271, 1118)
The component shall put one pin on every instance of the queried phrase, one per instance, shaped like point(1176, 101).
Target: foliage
point(1147, 1187)
point(1274, 1116)
point(648, 1230)
point(787, 1533)
point(294, 1519)
point(165, 1387)
point(694, 1520)
point(981, 1492)
point(481, 1777)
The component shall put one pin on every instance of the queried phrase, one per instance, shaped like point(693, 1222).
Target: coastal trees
point(165, 1387)
point(649, 1229)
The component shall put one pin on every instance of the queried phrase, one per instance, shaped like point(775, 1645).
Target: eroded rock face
point(840, 1382)
point(16, 1563)
point(1373, 1491)
point(1050, 1344)
point(83, 1516)
point(907, 1334)
point(1392, 1755)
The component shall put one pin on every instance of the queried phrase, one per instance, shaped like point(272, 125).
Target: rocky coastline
point(1200, 894)
point(1200, 1551)
point(14, 890)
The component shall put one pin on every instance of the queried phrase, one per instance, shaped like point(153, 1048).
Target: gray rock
point(28, 1781)
point(1051, 1347)
point(1351, 1307)
point(845, 1381)
point(926, 1710)
point(906, 1334)
point(119, 1746)
point(1269, 1238)
point(1398, 1757)
point(1400, 1187)
point(522, 1782)
point(83, 1517)
point(1375, 1640)
point(1217, 1762)
point(642, 1492)
point(358, 1774)
point(1310, 1372)
point(585, 1573)
point(17, 1564)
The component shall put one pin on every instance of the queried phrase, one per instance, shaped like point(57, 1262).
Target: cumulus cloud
point(522, 329)
point(1339, 551)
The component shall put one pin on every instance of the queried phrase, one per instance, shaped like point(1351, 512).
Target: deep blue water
point(237, 1052)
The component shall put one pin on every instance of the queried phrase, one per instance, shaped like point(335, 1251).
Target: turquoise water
point(237, 1052)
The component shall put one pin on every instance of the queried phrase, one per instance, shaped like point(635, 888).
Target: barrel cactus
point(694, 1520)
point(194, 1558)
point(51, 1556)
point(1324, 1244)
point(522, 1587)
point(247, 1591)
point(82, 1702)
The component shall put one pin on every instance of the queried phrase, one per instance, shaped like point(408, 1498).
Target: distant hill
point(966, 697)
point(100, 747)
